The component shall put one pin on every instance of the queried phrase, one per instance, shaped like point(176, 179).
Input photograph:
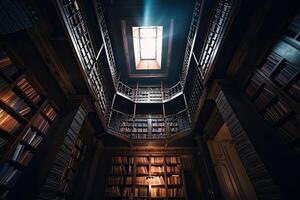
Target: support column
point(268, 162)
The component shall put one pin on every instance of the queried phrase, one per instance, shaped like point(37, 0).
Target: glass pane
point(148, 32)
point(148, 54)
point(148, 43)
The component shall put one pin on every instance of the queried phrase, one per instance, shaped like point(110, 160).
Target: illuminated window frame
point(147, 43)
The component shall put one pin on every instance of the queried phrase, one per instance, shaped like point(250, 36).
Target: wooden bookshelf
point(274, 103)
point(154, 176)
point(25, 117)
point(120, 180)
point(63, 171)
point(274, 88)
point(149, 127)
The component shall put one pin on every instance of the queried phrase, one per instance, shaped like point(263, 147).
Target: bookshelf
point(278, 108)
point(25, 118)
point(274, 88)
point(145, 176)
point(63, 171)
point(283, 74)
point(82, 42)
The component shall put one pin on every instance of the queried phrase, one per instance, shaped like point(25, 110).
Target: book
point(7, 122)
point(50, 112)
point(67, 161)
point(174, 180)
point(17, 104)
point(24, 86)
point(158, 192)
point(142, 170)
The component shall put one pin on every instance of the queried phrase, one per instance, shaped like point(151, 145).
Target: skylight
point(147, 43)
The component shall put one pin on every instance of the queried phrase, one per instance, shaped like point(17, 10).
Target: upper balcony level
point(149, 94)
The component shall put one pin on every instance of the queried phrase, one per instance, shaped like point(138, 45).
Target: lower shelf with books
point(153, 177)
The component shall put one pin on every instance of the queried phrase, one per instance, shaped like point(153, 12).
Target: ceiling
point(173, 15)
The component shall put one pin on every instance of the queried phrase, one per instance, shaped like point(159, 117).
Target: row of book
point(134, 124)
point(283, 73)
point(141, 170)
point(172, 160)
point(265, 97)
point(7, 122)
point(113, 191)
point(273, 61)
point(142, 160)
point(286, 74)
point(173, 169)
point(3, 144)
point(174, 180)
point(70, 154)
point(141, 180)
point(149, 180)
point(175, 192)
point(29, 91)
point(121, 169)
point(254, 85)
point(22, 155)
point(41, 124)
point(122, 160)
point(50, 112)
point(16, 103)
point(276, 111)
point(157, 169)
point(141, 192)
point(7, 68)
point(3, 84)
point(9, 175)
point(156, 160)
point(158, 192)
point(158, 130)
point(133, 130)
point(120, 180)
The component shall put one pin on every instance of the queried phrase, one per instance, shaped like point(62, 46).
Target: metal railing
point(149, 94)
point(208, 54)
point(215, 34)
point(82, 43)
point(175, 90)
point(106, 41)
point(196, 94)
point(191, 41)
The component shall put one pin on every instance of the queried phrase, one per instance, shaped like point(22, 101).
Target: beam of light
point(148, 12)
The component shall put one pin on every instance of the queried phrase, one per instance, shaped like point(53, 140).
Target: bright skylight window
point(147, 43)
